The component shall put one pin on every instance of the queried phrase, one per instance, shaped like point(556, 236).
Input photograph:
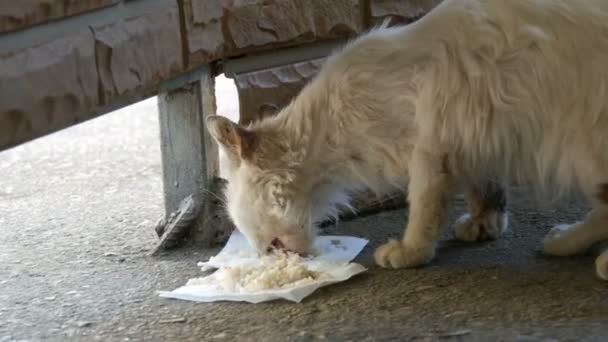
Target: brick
point(204, 36)
point(134, 54)
point(252, 25)
point(261, 92)
point(18, 14)
point(46, 87)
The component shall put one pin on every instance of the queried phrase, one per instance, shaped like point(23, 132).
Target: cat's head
point(268, 197)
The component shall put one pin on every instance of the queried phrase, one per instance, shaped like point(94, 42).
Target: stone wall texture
point(18, 14)
point(46, 87)
point(137, 53)
point(58, 68)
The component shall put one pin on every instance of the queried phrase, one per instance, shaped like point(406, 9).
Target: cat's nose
point(277, 243)
point(289, 243)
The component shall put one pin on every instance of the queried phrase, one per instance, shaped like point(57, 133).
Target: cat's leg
point(487, 217)
point(564, 240)
point(577, 238)
point(429, 187)
point(601, 265)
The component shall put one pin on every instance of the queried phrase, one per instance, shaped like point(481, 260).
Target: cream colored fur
point(476, 91)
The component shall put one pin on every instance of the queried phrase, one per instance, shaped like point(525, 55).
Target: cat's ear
point(233, 137)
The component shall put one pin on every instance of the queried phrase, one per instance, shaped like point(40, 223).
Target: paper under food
point(242, 275)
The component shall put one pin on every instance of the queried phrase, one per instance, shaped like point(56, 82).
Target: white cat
point(476, 93)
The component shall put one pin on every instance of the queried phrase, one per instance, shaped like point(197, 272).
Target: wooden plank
point(172, 230)
point(190, 157)
point(264, 60)
point(213, 225)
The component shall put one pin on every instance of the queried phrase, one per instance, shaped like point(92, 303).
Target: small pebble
point(172, 320)
point(456, 333)
point(84, 324)
point(455, 313)
point(70, 332)
point(424, 288)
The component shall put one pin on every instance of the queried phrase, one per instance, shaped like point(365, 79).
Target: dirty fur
point(474, 94)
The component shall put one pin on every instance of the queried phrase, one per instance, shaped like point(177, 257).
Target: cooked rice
point(277, 270)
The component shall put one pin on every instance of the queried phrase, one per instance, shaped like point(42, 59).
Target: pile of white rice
point(274, 271)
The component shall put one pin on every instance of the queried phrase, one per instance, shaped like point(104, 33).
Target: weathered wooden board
point(191, 157)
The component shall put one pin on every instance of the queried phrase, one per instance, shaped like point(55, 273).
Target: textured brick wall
point(64, 61)
point(18, 14)
point(66, 75)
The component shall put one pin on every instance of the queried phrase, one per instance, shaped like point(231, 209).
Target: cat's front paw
point(601, 265)
point(395, 254)
point(486, 227)
point(562, 240)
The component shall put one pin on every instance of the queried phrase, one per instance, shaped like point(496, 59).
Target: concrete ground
point(77, 211)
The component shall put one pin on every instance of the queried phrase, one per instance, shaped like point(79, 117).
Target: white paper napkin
point(332, 256)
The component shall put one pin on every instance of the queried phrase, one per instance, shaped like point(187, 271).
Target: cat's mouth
point(278, 244)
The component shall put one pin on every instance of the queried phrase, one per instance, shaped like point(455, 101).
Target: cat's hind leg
point(601, 265)
point(577, 238)
point(487, 218)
